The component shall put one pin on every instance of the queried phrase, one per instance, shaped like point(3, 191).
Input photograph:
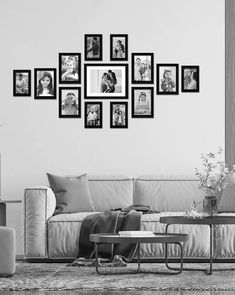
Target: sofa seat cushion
point(198, 244)
point(63, 234)
point(64, 230)
point(225, 239)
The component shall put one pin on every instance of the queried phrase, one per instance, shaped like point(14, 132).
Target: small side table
point(3, 205)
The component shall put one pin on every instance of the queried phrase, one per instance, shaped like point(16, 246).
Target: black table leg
point(138, 256)
point(209, 272)
point(2, 214)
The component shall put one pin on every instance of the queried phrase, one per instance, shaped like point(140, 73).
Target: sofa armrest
point(39, 206)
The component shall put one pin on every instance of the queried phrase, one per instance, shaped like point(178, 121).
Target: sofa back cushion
point(109, 192)
point(167, 193)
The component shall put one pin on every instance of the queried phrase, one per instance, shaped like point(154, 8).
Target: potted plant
point(212, 180)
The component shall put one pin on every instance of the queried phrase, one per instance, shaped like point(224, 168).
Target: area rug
point(59, 276)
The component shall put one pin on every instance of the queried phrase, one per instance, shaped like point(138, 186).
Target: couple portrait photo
point(119, 47)
point(106, 80)
point(142, 68)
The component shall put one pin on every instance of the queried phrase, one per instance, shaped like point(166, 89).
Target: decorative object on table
point(167, 79)
point(45, 83)
point(142, 68)
point(212, 180)
point(190, 78)
point(70, 68)
point(119, 47)
point(106, 81)
point(193, 211)
point(21, 83)
point(93, 47)
point(142, 102)
point(69, 102)
point(118, 114)
point(93, 114)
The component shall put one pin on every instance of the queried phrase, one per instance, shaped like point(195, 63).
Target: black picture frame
point(45, 71)
point(97, 122)
point(144, 108)
point(118, 119)
point(194, 84)
point(114, 55)
point(70, 58)
point(98, 93)
point(162, 87)
point(142, 72)
point(70, 109)
point(98, 46)
point(23, 88)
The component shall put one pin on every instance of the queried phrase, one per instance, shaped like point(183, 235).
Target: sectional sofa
point(56, 237)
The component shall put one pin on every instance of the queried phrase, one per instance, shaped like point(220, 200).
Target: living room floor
point(117, 293)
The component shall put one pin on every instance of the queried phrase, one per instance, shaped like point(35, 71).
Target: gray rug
point(58, 276)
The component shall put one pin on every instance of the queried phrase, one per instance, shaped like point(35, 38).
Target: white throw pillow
point(227, 202)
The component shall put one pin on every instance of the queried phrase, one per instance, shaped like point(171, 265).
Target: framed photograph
point(142, 102)
point(119, 47)
point(21, 83)
point(142, 68)
point(93, 115)
point(69, 102)
point(106, 81)
point(70, 68)
point(118, 114)
point(45, 83)
point(190, 78)
point(93, 47)
point(168, 79)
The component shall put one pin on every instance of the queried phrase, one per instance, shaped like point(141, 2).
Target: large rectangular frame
point(109, 95)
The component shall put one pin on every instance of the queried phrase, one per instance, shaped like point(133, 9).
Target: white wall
point(33, 140)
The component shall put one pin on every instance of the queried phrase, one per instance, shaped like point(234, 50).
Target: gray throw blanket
point(107, 222)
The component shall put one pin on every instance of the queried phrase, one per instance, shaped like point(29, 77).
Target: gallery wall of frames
point(106, 81)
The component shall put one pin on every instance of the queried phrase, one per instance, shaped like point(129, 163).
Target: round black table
point(210, 221)
point(165, 238)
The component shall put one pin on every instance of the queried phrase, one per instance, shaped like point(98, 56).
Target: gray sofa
point(57, 237)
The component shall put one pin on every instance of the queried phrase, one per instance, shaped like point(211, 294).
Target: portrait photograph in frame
point(119, 114)
point(106, 81)
point(93, 47)
point(21, 82)
point(69, 68)
point(142, 68)
point(69, 102)
point(142, 102)
point(119, 47)
point(167, 79)
point(44, 83)
point(93, 114)
point(190, 78)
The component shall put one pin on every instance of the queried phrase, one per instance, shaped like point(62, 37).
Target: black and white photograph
point(190, 78)
point(45, 83)
point(119, 47)
point(93, 115)
point(168, 79)
point(106, 81)
point(142, 102)
point(21, 83)
point(69, 102)
point(118, 114)
point(142, 68)
point(93, 44)
point(70, 68)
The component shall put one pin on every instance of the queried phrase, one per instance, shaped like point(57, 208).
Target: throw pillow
point(227, 202)
point(72, 194)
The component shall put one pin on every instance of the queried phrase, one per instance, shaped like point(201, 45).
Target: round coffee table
point(164, 238)
point(210, 221)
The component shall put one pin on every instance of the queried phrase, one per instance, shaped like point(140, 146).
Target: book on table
point(135, 233)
